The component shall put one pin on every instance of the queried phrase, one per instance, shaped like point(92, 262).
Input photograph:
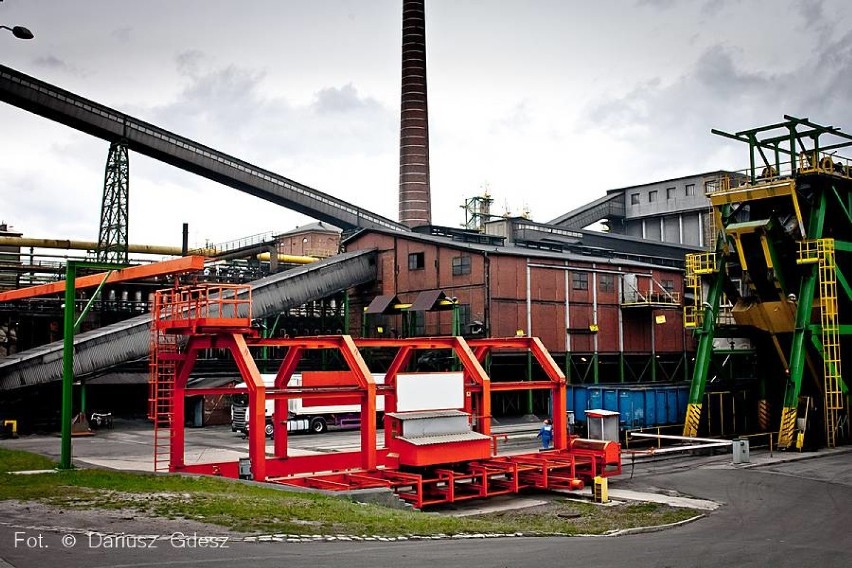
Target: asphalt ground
point(787, 509)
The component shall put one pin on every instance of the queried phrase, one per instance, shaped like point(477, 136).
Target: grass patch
point(16, 460)
point(253, 509)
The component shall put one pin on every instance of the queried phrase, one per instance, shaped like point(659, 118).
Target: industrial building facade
point(674, 211)
point(593, 313)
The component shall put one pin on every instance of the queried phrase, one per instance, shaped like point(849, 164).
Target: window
point(461, 265)
point(670, 193)
point(416, 261)
point(634, 199)
point(581, 280)
point(690, 189)
point(606, 282)
point(652, 196)
point(464, 318)
point(668, 285)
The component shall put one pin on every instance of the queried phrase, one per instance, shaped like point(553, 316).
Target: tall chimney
point(415, 204)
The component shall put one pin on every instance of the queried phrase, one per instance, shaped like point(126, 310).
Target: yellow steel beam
point(91, 245)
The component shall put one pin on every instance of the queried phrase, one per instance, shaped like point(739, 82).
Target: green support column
point(797, 359)
point(69, 325)
point(705, 349)
point(595, 368)
point(621, 366)
point(67, 366)
point(797, 349)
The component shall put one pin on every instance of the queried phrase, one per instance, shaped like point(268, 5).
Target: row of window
point(580, 280)
point(461, 264)
point(689, 191)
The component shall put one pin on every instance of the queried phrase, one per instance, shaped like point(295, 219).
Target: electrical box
point(740, 450)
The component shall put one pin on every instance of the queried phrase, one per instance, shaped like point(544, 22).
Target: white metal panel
point(429, 391)
point(437, 426)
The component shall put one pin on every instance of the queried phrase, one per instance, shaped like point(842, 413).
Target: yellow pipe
point(288, 258)
point(91, 245)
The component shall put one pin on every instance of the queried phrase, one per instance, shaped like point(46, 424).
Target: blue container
point(639, 406)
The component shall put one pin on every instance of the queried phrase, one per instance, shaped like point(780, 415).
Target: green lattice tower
point(112, 237)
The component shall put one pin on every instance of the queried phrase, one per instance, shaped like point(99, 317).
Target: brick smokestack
point(415, 204)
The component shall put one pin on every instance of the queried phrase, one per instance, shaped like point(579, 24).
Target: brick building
point(601, 316)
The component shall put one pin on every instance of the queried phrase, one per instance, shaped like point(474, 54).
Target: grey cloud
point(123, 34)
point(54, 63)
point(334, 100)
point(517, 120)
point(719, 93)
point(227, 109)
point(662, 4)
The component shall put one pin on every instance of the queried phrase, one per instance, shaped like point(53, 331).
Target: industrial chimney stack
point(415, 204)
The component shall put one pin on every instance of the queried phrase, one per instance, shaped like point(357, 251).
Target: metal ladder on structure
point(821, 251)
point(697, 265)
point(162, 370)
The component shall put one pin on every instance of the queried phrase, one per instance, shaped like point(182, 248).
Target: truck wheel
point(269, 430)
point(318, 425)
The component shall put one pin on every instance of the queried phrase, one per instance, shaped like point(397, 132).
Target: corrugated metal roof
point(129, 340)
point(446, 438)
point(619, 243)
point(382, 304)
point(426, 300)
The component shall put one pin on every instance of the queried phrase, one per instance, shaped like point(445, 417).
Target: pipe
point(288, 258)
point(91, 245)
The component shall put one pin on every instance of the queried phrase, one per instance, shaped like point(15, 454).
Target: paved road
point(130, 444)
point(793, 514)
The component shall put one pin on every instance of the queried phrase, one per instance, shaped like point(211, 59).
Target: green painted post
point(797, 349)
point(621, 366)
point(69, 325)
point(704, 353)
point(346, 312)
point(595, 368)
point(67, 367)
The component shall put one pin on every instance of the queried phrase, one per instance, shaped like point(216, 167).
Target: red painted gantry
point(219, 317)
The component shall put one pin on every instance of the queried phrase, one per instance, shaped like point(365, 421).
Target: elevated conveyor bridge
point(72, 110)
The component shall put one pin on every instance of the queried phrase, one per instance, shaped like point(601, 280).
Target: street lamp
point(19, 32)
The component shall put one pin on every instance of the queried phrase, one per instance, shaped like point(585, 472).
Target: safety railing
point(190, 304)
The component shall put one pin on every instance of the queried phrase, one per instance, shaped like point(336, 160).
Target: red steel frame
point(228, 327)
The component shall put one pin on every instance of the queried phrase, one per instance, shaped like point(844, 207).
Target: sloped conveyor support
point(128, 340)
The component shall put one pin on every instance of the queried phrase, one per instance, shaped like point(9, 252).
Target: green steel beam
point(816, 341)
point(91, 301)
point(705, 347)
point(844, 283)
point(842, 205)
point(844, 329)
point(844, 246)
point(68, 355)
point(803, 316)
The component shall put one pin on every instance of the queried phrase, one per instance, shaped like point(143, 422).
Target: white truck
point(304, 416)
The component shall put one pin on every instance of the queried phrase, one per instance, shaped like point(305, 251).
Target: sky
point(544, 103)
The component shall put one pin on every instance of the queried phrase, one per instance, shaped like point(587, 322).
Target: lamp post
point(19, 32)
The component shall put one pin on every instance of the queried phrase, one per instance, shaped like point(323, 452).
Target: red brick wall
point(507, 309)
